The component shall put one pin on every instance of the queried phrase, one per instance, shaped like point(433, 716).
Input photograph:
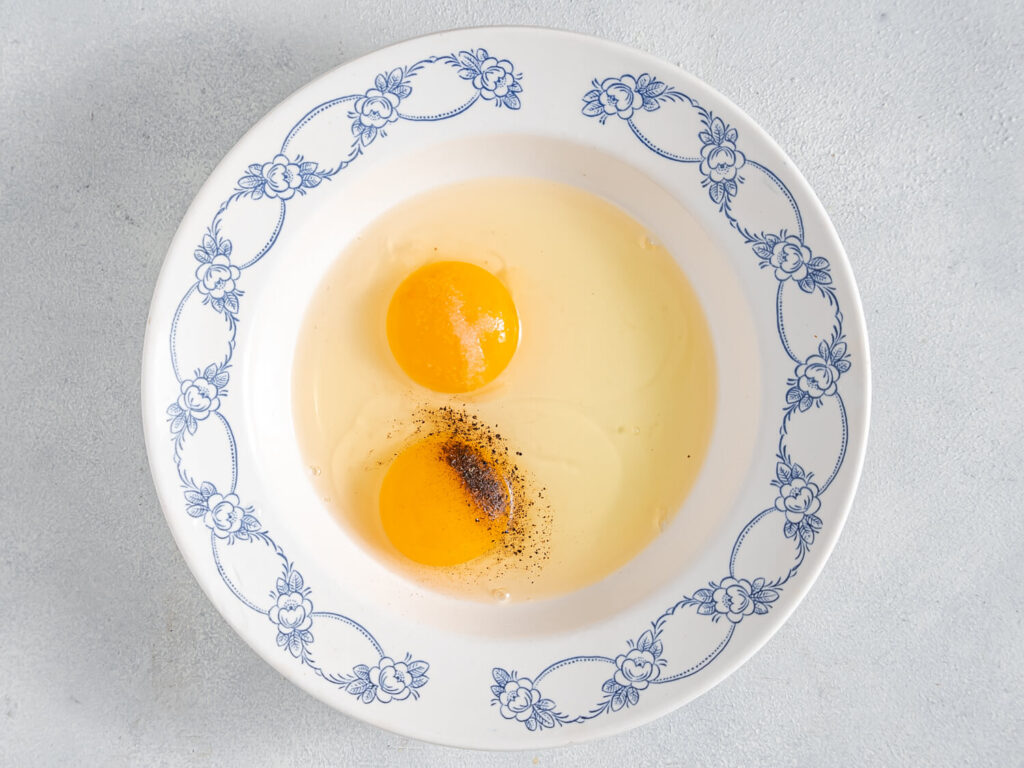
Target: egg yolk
point(442, 503)
point(452, 326)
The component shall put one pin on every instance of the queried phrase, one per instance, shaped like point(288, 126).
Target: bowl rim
point(853, 320)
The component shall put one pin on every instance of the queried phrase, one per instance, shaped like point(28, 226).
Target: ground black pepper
point(485, 484)
point(496, 487)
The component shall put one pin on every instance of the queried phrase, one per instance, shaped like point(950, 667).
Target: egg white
point(610, 397)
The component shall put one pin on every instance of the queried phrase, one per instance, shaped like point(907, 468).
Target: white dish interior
point(304, 255)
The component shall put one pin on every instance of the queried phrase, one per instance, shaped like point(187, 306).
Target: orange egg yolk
point(442, 504)
point(452, 326)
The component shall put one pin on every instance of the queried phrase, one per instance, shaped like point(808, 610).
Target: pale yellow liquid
point(610, 397)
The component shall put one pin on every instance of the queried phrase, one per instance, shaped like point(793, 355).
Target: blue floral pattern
point(200, 396)
point(281, 178)
point(517, 698)
point(292, 612)
point(795, 498)
point(790, 259)
point(795, 502)
point(387, 680)
point(284, 178)
point(376, 109)
point(635, 670)
point(495, 80)
point(615, 96)
point(216, 276)
point(222, 513)
point(734, 599)
point(798, 501)
point(623, 96)
point(720, 160)
point(817, 377)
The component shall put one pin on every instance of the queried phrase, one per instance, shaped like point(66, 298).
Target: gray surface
point(905, 117)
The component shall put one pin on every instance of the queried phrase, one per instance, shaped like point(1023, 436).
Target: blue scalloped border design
point(736, 598)
point(279, 182)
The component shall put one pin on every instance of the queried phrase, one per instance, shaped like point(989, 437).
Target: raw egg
point(443, 502)
point(480, 460)
point(452, 326)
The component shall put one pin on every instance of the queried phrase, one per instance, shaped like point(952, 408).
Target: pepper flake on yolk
point(452, 326)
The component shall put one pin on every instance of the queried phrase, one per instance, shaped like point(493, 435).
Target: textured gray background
point(906, 118)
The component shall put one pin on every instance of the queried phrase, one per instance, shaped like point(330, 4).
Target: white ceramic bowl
point(793, 394)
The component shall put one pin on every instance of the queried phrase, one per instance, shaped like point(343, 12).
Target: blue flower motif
point(378, 107)
point(635, 670)
point(216, 276)
point(292, 612)
point(494, 79)
point(791, 259)
point(200, 396)
point(280, 178)
point(222, 513)
point(735, 599)
point(798, 496)
point(518, 699)
point(388, 680)
point(818, 376)
point(622, 96)
point(799, 499)
point(720, 160)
